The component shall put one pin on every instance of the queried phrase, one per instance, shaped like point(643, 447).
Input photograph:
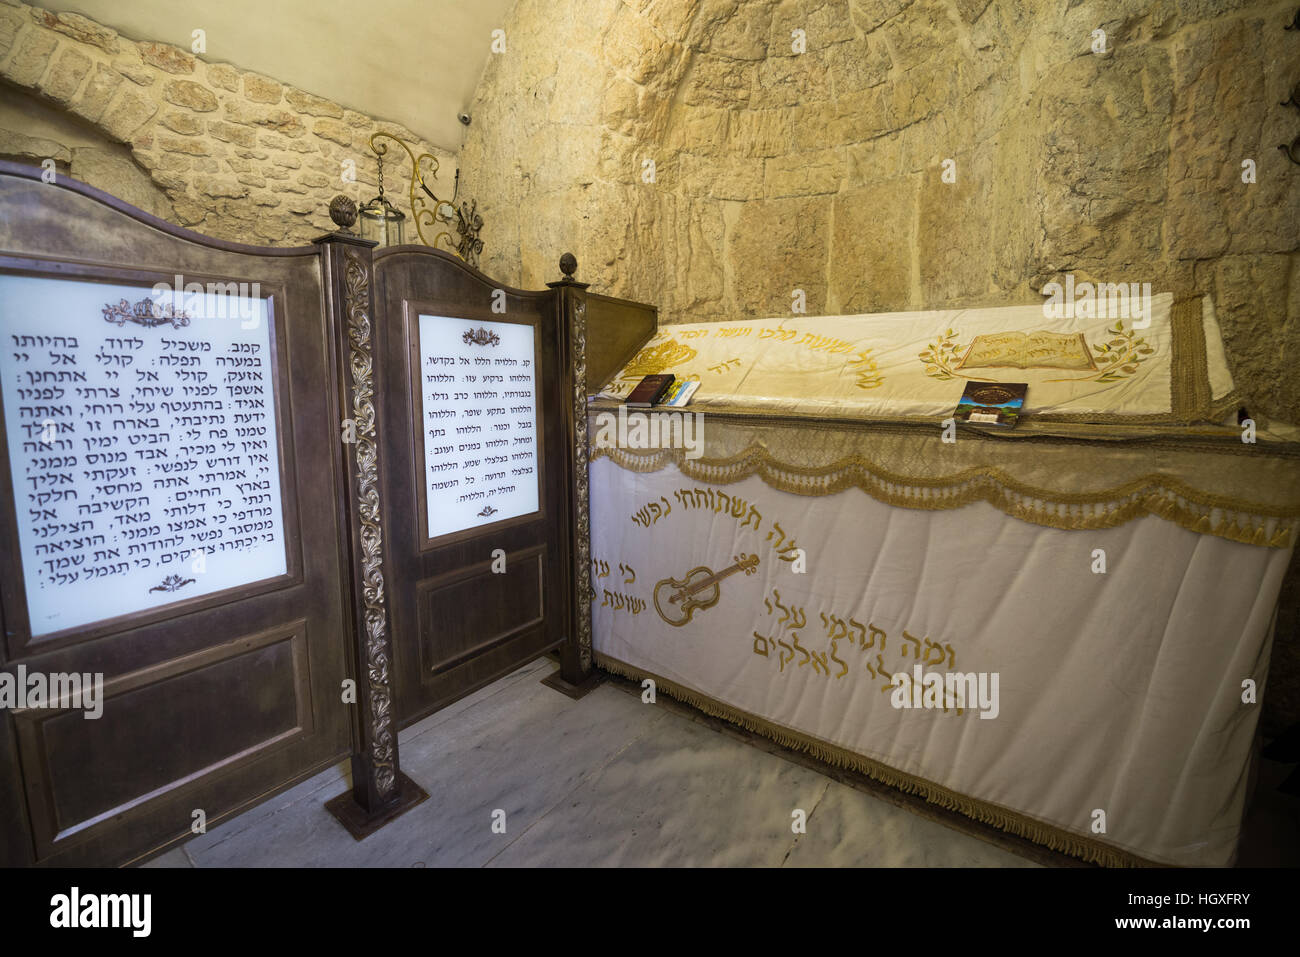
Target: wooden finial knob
point(568, 265)
point(343, 211)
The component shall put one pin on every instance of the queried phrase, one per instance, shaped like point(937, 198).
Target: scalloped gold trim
point(1246, 522)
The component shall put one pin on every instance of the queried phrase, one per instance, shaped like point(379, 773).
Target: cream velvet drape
point(1121, 733)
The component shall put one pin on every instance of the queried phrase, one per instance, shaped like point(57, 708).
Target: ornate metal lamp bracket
point(427, 210)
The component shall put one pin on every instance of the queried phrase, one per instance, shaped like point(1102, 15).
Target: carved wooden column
point(380, 792)
point(577, 675)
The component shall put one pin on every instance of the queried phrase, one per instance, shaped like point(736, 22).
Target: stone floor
point(606, 781)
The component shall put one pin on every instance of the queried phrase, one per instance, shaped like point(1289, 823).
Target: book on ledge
point(991, 403)
point(680, 393)
point(649, 391)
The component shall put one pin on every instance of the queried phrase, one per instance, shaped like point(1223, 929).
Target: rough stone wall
point(823, 170)
point(234, 155)
point(32, 131)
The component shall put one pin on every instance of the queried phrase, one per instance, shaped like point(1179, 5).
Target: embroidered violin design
point(677, 598)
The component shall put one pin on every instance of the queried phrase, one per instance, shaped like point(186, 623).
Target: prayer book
point(991, 403)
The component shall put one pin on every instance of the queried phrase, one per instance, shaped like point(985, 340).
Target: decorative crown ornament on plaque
point(172, 583)
point(480, 337)
point(147, 313)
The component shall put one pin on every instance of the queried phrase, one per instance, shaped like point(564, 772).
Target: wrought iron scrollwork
point(427, 210)
point(468, 224)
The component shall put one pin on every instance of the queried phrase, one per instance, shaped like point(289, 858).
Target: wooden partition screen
point(258, 507)
point(172, 527)
point(475, 408)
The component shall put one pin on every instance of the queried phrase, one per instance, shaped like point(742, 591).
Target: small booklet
point(680, 393)
point(992, 403)
point(649, 391)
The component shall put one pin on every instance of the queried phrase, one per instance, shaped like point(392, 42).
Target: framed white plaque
point(142, 438)
point(478, 393)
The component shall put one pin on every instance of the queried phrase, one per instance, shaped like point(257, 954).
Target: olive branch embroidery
point(940, 355)
point(1120, 356)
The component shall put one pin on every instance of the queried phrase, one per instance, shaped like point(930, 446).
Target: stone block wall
point(823, 170)
point(231, 154)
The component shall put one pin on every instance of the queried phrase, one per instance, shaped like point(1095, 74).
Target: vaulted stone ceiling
point(412, 61)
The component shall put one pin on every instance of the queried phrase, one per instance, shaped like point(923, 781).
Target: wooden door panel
point(456, 623)
point(211, 702)
point(468, 612)
point(166, 713)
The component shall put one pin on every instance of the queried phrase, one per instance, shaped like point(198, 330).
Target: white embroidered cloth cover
point(917, 363)
point(1119, 691)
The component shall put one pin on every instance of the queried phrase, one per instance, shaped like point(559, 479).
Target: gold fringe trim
point(1189, 373)
point(1221, 408)
point(1013, 822)
point(1245, 522)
